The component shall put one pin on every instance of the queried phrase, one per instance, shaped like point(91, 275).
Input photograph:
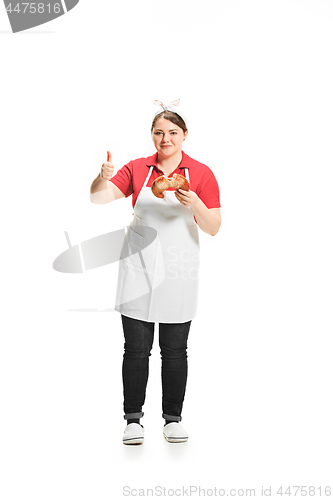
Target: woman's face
point(168, 137)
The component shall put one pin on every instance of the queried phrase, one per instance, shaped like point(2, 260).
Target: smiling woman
point(168, 131)
point(162, 285)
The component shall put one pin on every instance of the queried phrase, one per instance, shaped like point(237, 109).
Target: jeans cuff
point(172, 418)
point(129, 416)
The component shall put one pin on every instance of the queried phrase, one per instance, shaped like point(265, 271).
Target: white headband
point(170, 107)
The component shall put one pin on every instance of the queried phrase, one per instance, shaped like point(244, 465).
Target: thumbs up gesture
point(107, 168)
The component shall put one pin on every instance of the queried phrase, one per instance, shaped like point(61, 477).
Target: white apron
point(159, 283)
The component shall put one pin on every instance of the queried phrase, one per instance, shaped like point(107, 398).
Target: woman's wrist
point(100, 174)
point(197, 205)
point(206, 220)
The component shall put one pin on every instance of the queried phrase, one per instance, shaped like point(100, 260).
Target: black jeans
point(139, 336)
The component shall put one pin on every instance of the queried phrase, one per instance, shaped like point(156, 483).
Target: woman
point(158, 279)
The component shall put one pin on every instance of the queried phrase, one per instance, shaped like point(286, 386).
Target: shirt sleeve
point(124, 180)
point(209, 191)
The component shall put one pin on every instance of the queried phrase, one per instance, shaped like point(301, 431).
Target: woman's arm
point(102, 191)
point(208, 219)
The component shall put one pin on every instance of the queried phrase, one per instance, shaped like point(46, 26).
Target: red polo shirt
point(130, 178)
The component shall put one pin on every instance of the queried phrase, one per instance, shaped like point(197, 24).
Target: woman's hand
point(107, 168)
point(102, 191)
point(187, 198)
point(208, 219)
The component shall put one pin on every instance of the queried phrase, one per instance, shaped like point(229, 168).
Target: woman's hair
point(172, 117)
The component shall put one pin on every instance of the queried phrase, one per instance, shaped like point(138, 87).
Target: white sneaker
point(133, 434)
point(174, 433)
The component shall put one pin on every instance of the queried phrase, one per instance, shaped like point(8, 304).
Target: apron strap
point(186, 174)
point(146, 181)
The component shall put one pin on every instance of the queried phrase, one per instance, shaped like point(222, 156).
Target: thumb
point(109, 157)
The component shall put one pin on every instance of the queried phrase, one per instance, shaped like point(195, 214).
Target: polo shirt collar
point(152, 161)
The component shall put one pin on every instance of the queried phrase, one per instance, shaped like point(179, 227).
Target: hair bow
point(168, 106)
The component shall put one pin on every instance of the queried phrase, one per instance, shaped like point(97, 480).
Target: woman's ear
point(185, 134)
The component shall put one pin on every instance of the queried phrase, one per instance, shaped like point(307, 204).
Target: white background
point(255, 80)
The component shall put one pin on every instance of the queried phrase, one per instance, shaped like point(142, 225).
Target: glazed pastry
point(162, 183)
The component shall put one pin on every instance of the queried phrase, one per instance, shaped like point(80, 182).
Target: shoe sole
point(175, 440)
point(134, 441)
